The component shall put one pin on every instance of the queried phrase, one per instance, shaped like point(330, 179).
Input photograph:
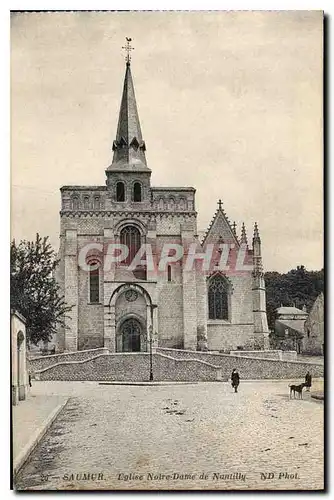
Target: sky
point(229, 103)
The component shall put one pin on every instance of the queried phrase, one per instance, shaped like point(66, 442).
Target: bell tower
point(128, 176)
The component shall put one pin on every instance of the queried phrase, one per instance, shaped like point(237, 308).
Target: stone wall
point(131, 367)
point(223, 336)
point(251, 367)
point(289, 355)
point(45, 361)
point(269, 354)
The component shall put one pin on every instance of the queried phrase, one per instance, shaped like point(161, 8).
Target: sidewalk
point(31, 419)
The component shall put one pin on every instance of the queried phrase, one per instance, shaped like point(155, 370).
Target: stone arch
point(86, 202)
point(136, 191)
point(97, 202)
point(182, 203)
point(137, 306)
point(75, 202)
point(130, 222)
point(131, 333)
point(129, 286)
point(171, 202)
point(120, 191)
point(161, 203)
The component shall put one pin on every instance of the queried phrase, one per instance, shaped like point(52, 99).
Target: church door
point(131, 331)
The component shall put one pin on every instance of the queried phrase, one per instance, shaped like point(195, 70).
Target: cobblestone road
point(221, 440)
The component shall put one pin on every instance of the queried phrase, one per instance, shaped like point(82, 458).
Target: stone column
point(108, 274)
point(201, 305)
point(189, 292)
point(71, 289)
point(109, 329)
point(151, 238)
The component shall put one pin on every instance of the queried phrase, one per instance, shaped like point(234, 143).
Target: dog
point(297, 389)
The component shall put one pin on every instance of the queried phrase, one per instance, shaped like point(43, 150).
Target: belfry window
point(120, 191)
point(137, 191)
point(130, 237)
point(218, 293)
point(94, 283)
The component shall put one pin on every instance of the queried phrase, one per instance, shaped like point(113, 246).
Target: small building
point(313, 341)
point(19, 359)
point(289, 328)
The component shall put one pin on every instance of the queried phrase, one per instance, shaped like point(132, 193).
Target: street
point(178, 436)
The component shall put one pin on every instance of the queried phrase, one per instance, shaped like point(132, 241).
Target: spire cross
point(128, 49)
point(220, 204)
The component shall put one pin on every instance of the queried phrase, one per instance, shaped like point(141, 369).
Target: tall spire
point(129, 147)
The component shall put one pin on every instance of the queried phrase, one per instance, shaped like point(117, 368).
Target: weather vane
point(128, 49)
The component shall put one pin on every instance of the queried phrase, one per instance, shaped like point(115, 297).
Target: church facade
point(168, 288)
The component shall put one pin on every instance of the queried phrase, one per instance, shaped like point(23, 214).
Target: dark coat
point(235, 379)
point(308, 380)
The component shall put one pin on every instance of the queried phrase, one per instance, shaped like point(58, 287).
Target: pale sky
point(229, 103)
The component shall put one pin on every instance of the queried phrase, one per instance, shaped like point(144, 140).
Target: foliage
point(34, 291)
point(297, 288)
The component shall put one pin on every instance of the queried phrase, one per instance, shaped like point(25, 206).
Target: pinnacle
point(256, 235)
point(243, 238)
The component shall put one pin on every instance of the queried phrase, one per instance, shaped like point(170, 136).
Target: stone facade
point(124, 309)
point(19, 377)
point(313, 341)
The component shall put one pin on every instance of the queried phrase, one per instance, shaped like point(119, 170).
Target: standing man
point(235, 379)
point(308, 381)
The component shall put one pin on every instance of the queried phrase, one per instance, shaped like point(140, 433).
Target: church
point(182, 292)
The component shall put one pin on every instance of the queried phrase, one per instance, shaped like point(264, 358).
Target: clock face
point(131, 295)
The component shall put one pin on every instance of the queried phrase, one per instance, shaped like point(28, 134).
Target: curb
point(23, 456)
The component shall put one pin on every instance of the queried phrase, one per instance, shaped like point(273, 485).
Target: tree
point(34, 291)
point(297, 288)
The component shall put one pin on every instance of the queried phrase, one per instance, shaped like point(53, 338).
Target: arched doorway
point(131, 331)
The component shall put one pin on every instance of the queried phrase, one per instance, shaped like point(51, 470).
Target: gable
point(220, 230)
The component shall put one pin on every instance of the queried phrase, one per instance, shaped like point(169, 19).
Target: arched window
point(161, 204)
point(120, 191)
point(130, 237)
point(171, 203)
point(75, 203)
point(137, 191)
point(218, 298)
point(86, 202)
point(94, 283)
point(97, 202)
